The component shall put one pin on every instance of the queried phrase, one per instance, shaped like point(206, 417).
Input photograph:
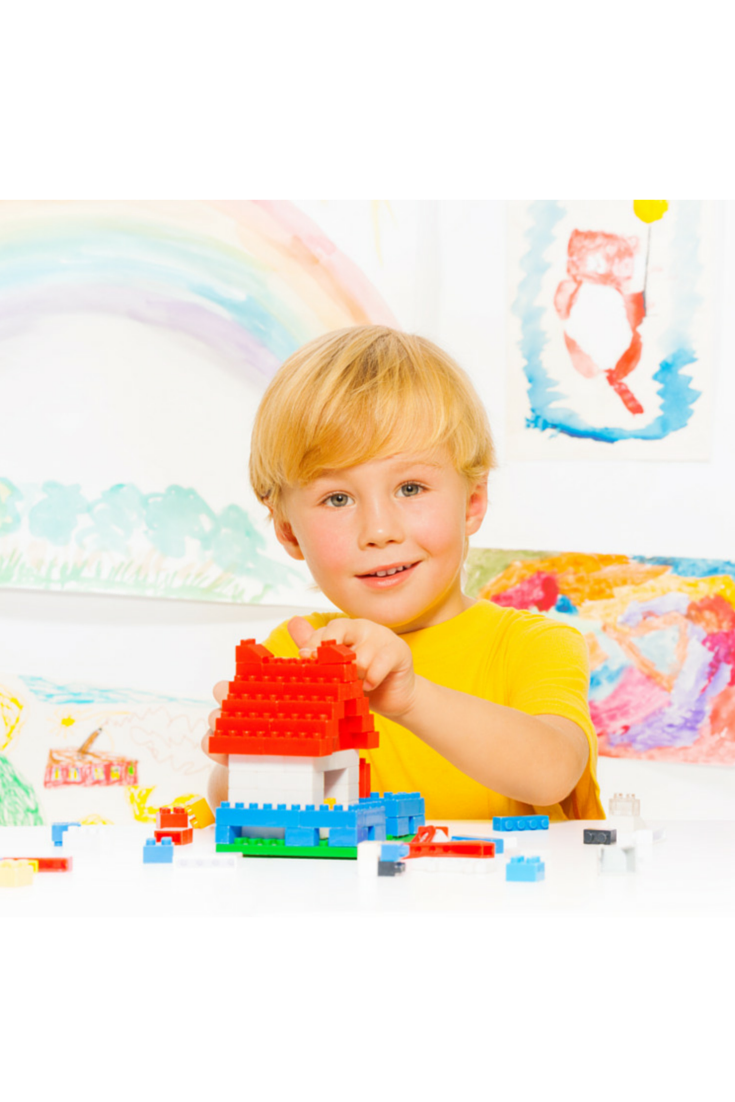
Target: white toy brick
point(368, 855)
point(624, 805)
point(617, 859)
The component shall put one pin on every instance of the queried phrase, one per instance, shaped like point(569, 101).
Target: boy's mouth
point(388, 575)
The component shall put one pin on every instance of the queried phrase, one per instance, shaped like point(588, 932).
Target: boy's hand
point(384, 661)
point(219, 692)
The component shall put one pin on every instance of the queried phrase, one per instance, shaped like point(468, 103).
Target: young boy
point(371, 450)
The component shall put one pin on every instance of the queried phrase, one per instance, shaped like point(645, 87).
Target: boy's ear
point(476, 507)
point(286, 538)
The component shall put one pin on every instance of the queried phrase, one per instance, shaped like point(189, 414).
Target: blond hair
point(364, 393)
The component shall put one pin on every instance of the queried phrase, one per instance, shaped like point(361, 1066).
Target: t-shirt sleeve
point(549, 675)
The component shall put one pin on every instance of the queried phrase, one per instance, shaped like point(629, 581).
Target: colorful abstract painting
point(610, 329)
point(661, 637)
point(136, 339)
point(100, 755)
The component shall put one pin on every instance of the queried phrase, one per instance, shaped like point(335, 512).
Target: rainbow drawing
point(661, 637)
point(227, 289)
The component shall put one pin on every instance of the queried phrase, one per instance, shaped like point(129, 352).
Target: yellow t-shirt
point(520, 659)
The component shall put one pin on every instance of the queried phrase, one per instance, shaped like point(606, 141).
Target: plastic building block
point(179, 837)
point(617, 859)
point(347, 826)
point(304, 707)
point(525, 868)
point(276, 847)
point(176, 817)
point(499, 843)
point(364, 778)
point(521, 822)
point(600, 837)
point(199, 812)
point(624, 805)
point(393, 851)
point(432, 841)
point(404, 812)
point(46, 864)
point(158, 853)
point(57, 832)
point(16, 873)
point(390, 868)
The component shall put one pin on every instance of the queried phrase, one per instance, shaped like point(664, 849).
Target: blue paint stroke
point(79, 694)
point(690, 568)
point(677, 396)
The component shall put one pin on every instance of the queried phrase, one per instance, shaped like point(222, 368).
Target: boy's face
point(406, 510)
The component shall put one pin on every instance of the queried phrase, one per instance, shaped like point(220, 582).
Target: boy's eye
point(411, 489)
point(338, 500)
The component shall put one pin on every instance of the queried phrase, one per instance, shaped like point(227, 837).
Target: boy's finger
point(213, 717)
point(220, 690)
point(300, 631)
point(221, 759)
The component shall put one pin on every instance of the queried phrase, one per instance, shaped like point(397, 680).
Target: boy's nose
point(380, 526)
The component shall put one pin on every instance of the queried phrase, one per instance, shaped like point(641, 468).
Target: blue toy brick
point(158, 853)
point(301, 836)
point(521, 822)
point(393, 851)
point(57, 832)
point(525, 868)
point(358, 822)
point(498, 842)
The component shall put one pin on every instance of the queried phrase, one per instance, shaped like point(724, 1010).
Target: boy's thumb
point(300, 630)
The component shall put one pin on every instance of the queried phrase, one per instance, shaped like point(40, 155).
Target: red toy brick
point(302, 707)
point(364, 790)
point(425, 845)
point(334, 653)
point(178, 837)
point(175, 817)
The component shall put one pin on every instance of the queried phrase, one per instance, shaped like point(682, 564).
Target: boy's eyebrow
point(335, 472)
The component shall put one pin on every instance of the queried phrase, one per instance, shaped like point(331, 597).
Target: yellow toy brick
point(16, 874)
point(199, 811)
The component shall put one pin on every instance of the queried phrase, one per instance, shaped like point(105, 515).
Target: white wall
point(683, 509)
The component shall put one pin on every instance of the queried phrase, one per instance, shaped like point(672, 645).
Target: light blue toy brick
point(525, 868)
point(521, 822)
point(498, 842)
point(351, 825)
point(393, 851)
point(158, 853)
point(57, 832)
point(301, 836)
point(399, 827)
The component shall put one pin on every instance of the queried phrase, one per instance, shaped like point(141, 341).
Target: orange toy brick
point(294, 707)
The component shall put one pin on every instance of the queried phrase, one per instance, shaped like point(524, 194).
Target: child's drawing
point(136, 339)
point(609, 340)
point(94, 754)
point(661, 636)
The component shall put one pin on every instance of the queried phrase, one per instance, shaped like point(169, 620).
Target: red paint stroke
point(86, 767)
point(606, 259)
point(540, 591)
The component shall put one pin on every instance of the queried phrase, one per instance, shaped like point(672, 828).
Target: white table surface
point(691, 870)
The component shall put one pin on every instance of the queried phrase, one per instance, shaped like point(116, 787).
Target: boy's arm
point(534, 759)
